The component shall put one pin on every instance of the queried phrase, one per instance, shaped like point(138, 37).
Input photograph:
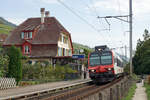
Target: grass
point(5, 29)
point(130, 93)
point(147, 86)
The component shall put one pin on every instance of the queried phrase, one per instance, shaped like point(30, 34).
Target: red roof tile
point(47, 33)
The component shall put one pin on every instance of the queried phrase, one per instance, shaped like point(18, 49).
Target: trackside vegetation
point(147, 86)
point(141, 59)
point(15, 64)
point(130, 93)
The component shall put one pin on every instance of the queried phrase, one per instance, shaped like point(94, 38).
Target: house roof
point(47, 33)
point(3, 37)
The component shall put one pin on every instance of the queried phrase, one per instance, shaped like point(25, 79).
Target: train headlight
point(92, 70)
point(109, 68)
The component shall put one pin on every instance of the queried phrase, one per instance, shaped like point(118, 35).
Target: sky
point(83, 24)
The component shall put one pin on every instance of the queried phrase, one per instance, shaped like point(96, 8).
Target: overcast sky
point(17, 11)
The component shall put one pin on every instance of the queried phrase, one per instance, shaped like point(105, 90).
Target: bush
point(15, 65)
point(130, 93)
point(46, 73)
point(147, 86)
point(3, 63)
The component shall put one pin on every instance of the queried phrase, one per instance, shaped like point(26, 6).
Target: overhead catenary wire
point(92, 26)
point(100, 21)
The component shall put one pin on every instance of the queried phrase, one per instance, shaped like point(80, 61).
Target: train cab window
point(106, 59)
point(94, 59)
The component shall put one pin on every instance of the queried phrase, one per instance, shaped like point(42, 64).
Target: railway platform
point(22, 91)
point(140, 92)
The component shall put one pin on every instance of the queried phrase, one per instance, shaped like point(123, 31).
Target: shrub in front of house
point(47, 73)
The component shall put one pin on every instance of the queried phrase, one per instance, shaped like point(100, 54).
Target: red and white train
point(104, 65)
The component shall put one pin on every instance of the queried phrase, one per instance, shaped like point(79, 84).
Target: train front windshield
point(106, 58)
point(94, 59)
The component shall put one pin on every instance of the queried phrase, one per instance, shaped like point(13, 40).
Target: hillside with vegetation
point(81, 46)
point(5, 26)
point(78, 47)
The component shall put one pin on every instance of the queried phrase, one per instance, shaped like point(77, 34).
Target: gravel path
point(140, 93)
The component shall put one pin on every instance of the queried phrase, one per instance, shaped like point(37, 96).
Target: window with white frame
point(70, 52)
point(27, 35)
point(59, 51)
point(62, 39)
point(27, 49)
point(22, 35)
point(30, 35)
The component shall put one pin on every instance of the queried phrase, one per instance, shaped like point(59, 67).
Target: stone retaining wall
point(115, 92)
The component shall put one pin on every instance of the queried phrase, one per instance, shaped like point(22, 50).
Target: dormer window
point(30, 35)
point(26, 35)
point(22, 35)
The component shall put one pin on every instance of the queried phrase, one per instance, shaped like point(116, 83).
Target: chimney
point(46, 13)
point(42, 15)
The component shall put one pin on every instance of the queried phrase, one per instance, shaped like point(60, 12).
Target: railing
point(6, 83)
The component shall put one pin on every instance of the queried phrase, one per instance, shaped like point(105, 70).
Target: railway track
point(75, 91)
point(39, 94)
point(80, 93)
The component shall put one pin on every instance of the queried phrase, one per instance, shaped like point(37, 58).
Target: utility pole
point(125, 51)
point(130, 28)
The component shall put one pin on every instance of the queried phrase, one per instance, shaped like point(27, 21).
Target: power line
point(92, 26)
point(94, 8)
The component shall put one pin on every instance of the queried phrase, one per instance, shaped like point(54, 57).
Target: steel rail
point(80, 93)
point(45, 91)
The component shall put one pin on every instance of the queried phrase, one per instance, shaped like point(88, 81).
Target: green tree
point(3, 62)
point(15, 64)
point(141, 59)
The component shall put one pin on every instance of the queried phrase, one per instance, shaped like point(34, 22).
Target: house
point(2, 38)
point(42, 38)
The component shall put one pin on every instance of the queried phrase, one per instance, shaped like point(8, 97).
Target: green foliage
point(40, 71)
point(147, 86)
point(127, 68)
point(3, 63)
point(130, 93)
point(141, 59)
point(80, 46)
point(5, 29)
point(86, 50)
point(15, 64)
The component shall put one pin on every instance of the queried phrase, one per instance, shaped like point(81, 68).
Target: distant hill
point(5, 26)
point(80, 46)
point(5, 22)
point(77, 47)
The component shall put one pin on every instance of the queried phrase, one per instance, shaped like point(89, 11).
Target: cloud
point(139, 6)
point(16, 21)
point(50, 1)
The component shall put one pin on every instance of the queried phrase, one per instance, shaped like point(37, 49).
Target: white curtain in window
point(27, 49)
point(30, 34)
point(22, 35)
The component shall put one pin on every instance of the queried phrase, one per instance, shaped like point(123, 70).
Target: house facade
point(42, 37)
point(3, 38)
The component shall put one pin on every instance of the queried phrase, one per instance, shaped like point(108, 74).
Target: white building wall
point(66, 46)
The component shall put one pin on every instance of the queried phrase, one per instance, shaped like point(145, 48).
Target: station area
point(24, 91)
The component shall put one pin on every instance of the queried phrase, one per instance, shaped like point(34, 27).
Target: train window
point(106, 59)
point(119, 63)
point(94, 60)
